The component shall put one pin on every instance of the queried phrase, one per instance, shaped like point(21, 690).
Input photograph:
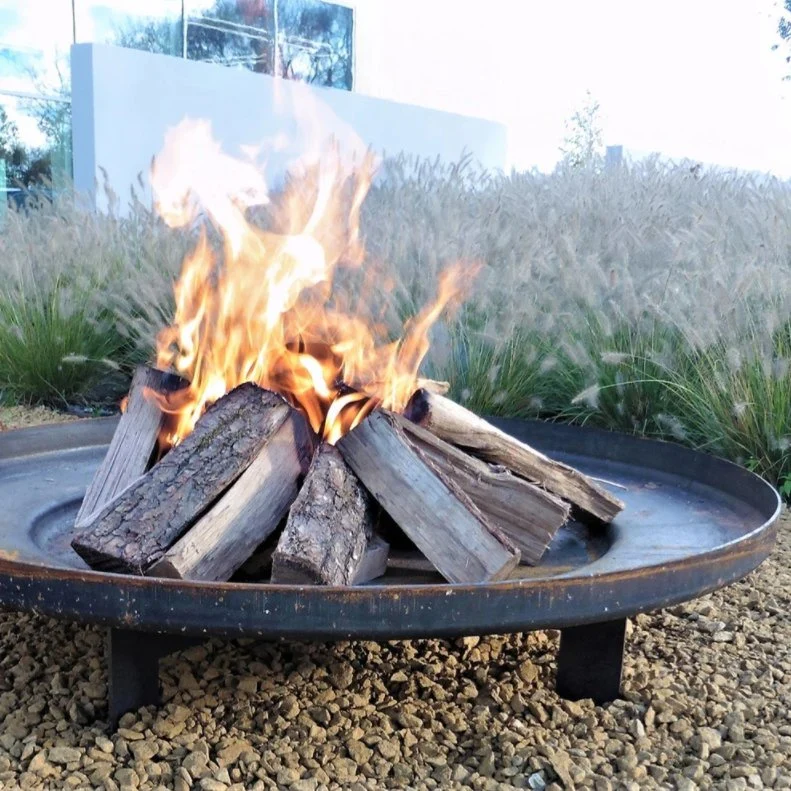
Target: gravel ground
point(707, 694)
point(24, 417)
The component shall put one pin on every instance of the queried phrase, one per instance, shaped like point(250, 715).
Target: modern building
point(341, 45)
point(307, 40)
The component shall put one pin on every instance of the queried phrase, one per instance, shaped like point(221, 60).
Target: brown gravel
point(25, 417)
point(707, 694)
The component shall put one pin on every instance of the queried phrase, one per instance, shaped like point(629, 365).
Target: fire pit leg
point(133, 672)
point(590, 661)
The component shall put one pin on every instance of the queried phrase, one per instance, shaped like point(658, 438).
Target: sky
point(687, 78)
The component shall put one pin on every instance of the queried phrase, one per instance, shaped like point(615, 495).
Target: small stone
point(710, 737)
point(486, 766)
point(101, 773)
point(528, 672)
point(341, 675)
point(388, 749)
point(285, 777)
point(536, 781)
point(460, 773)
point(195, 764)
point(130, 735)
point(248, 685)
point(561, 765)
point(230, 753)
point(104, 744)
point(64, 755)
point(289, 707)
point(210, 784)
point(358, 751)
point(127, 778)
point(144, 750)
point(41, 766)
point(408, 720)
point(305, 784)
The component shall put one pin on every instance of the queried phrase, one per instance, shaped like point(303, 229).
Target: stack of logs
point(473, 500)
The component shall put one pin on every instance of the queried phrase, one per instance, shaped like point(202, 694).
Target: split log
point(134, 530)
point(133, 442)
point(434, 386)
point(328, 528)
point(457, 425)
point(247, 514)
point(426, 503)
point(527, 514)
point(374, 562)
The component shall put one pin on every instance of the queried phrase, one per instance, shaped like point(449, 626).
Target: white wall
point(123, 102)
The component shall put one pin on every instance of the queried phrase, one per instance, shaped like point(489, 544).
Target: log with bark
point(373, 565)
point(426, 502)
point(134, 441)
point(133, 531)
point(248, 513)
point(455, 424)
point(328, 527)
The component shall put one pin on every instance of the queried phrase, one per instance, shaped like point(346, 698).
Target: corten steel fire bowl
point(692, 523)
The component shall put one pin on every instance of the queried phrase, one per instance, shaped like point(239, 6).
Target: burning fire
point(264, 310)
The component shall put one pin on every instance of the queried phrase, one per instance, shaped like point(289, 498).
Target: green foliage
point(583, 144)
point(648, 299)
point(66, 273)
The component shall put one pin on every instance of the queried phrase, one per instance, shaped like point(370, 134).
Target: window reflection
point(151, 25)
point(314, 39)
point(35, 36)
point(315, 42)
point(236, 33)
point(35, 147)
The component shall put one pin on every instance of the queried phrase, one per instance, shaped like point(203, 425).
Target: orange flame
point(264, 311)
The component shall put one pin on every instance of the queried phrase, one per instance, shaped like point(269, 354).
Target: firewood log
point(374, 562)
point(426, 504)
point(134, 530)
point(527, 514)
point(133, 442)
point(328, 527)
point(457, 425)
point(249, 511)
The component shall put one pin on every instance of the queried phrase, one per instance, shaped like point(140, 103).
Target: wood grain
point(458, 426)
point(247, 514)
point(527, 514)
point(133, 442)
point(374, 562)
point(134, 530)
point(427, 505)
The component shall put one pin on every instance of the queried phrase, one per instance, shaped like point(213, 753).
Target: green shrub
point(648, 298)
point(66, 274)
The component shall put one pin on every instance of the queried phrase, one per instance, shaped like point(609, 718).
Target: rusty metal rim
point(566, 599)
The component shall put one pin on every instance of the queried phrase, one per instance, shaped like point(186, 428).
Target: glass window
point(236, 33)
point(35, 36)
point(35, 146)
point(316, 41)
point(151, 25)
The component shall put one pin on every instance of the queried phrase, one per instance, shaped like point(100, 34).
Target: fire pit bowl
point(692, 523)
